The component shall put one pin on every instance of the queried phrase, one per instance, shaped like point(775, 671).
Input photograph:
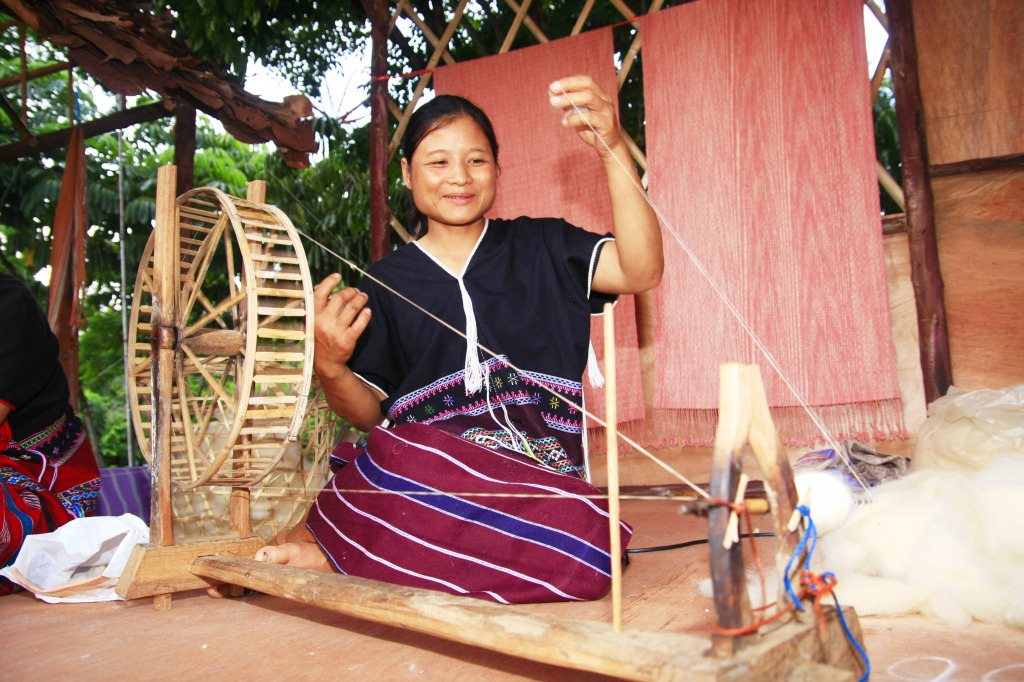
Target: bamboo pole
point(516, 23)
point(166, 267)
point(612, 435)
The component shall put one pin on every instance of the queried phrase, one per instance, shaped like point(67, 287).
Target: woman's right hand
point(339, 320)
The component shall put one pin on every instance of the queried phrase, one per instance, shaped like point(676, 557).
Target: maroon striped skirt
point(423, 508)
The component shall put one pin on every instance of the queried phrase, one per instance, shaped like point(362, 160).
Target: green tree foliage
point(887, 141)
point(301, 39)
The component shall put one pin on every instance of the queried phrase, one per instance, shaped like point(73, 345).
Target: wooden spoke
point(215, 312)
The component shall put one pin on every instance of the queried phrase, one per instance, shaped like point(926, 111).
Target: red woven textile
point(546, 170)
point(67, 260)
point(761, 158)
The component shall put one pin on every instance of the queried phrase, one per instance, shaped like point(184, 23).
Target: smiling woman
point(504, 425)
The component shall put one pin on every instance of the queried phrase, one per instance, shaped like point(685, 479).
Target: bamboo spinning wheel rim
point(243, 343)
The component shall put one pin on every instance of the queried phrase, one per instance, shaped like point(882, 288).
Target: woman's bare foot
point(292, 547)
point(300, 554)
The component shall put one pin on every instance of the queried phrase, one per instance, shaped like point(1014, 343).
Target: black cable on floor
point(691, 543)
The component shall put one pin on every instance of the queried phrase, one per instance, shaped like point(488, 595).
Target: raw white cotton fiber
point(947, 540)
point(945, 544)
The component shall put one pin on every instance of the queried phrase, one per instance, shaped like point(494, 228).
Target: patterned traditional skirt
point(424, 508)
point(45, 481)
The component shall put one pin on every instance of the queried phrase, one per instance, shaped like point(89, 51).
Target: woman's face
point(452, 174)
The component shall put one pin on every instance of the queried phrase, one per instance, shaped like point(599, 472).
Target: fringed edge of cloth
point(637, 430)
point(873, 420)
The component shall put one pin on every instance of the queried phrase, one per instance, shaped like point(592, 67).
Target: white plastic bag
point(966, 431)
point(80, 561)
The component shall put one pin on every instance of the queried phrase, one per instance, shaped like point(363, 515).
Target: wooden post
point(380, 230)
point(780, 487)
point(185, 146)
point(728, 572)
point(925, 273)
point(166, 269)
point(612, 433)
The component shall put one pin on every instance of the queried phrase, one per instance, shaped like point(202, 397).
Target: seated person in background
point(48, 473)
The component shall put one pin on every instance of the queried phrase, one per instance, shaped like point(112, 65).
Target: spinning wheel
point(242, 338)
point(221, 344)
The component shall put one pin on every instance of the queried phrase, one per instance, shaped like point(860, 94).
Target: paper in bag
point(80, 561)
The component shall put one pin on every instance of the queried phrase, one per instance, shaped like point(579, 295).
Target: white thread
point(593, 369)
point(474, 371)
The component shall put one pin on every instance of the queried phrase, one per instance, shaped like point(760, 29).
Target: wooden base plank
point(154, 570)
point(570, 643)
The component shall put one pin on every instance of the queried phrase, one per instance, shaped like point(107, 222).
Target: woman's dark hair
point(437, 113)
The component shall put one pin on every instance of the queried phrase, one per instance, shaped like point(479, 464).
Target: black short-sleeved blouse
point(32, 381)
point(529, 282)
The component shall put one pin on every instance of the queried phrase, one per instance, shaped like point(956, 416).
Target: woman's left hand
point(588, 108)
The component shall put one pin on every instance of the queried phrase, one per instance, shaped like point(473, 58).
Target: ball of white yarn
point(829, 498)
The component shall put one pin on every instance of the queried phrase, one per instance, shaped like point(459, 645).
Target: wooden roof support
point(925, 272)
point(35, 73)
point(380, 214)
point(17, 121)
point(105, 124)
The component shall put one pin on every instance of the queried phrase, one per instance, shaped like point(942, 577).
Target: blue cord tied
point(818, 586)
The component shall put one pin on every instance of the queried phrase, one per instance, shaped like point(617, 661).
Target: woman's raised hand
point(339, 319)
point(588, 108)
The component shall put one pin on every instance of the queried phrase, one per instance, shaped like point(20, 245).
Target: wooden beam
point(537, 636)
point(12, 113)
point(579, 644)
point(35, 73)
point(99, 126)
point(153, 570)
point(167, 271)
point(728, 569)
point(977, 165)
point(925, 272)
